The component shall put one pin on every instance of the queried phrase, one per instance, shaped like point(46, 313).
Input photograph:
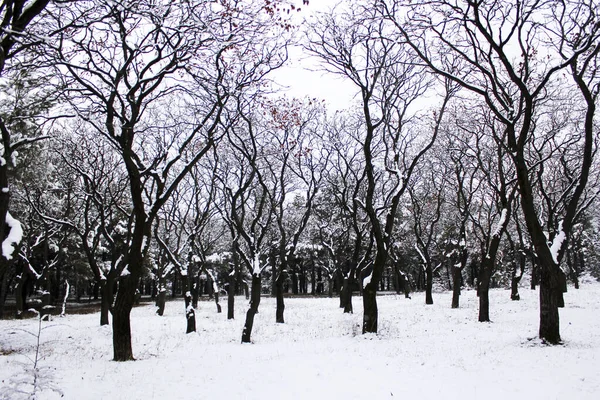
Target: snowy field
point(424, 352)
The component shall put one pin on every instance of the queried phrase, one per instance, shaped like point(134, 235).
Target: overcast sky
point(301, 78)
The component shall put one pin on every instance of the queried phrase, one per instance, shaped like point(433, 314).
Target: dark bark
point(516, 278)
point(284, 264)
point(347, 295)
point(190, 314)
point(106, 300)
point(279, 296)
point(294, 276)
point(574, 266)
point(484, 301)
point(319, 281)
point(534, 273)
point(21, 295)
point(4, 283)
point(313, 278)
point(456, 282)
point(217, 302)
point(405, 285)
point(231, 295)
point(121, 323)
point(254, 303)
point(397, 280)
point(194, 290)
point(160, 301)
point(483, 289)
point(549, 304)
point(370, 316)
point(514, 288)
point(428, 285)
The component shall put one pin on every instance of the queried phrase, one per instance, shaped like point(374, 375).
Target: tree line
point(146, 149)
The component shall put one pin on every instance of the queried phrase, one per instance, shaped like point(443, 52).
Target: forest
point(147, 154)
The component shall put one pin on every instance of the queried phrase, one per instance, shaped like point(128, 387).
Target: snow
point(64, 304)
point(14, 236)
point(557, 243)
point(501, 222)
point(367, 279)
point(421, 352)
point(125, 271)
point(13, 158)
point(5, 190)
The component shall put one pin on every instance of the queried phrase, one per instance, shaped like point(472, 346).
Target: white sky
point(300, 77)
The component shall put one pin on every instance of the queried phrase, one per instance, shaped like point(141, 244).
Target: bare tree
point(513, 62)
point(160, 75)
point(356, 44)
point(427, 199)
point(185, 218)
point(295, 166)
point(351, 252)
point(97, 210)
point(247, 207)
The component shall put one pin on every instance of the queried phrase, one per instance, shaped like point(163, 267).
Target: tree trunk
point(160, 301)
point(190, 314)
point(121, 322)
point(456, 278)
point(343, 292)
point(575, 271)
point(279, 296)
point(313, 278)
point(534, 272)
point(194, 290)
point(106, 299)
point(405, 285)
point(514, 288)
point(483, 289)
point(217, 301)
point(347, 295)
point(231, 295)
point(370, 309)
point(95, 290)
point(4, 201)
point(516, 279)
point(254, 303)
point(4, 283)
point(448, 277)
point(20, 295)
point(549, 304)
point(428, 285)
point(319, 281)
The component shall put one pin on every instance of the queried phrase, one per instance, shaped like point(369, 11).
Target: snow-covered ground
point(424, 352)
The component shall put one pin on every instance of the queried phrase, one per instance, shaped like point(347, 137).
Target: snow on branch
point(421, 254)
point(501, 223)
point(14, 236)
point(557, 242)
point(30, 268)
